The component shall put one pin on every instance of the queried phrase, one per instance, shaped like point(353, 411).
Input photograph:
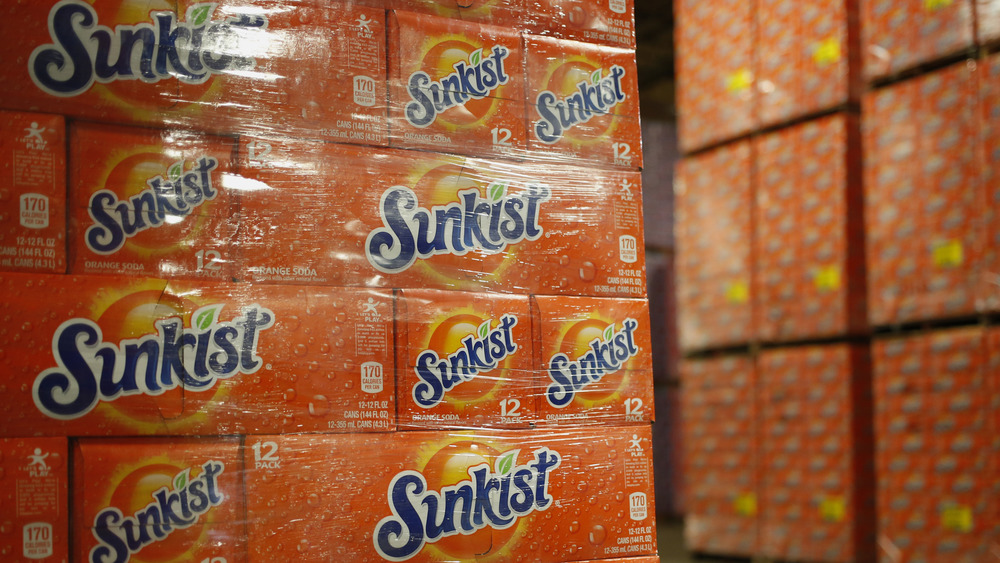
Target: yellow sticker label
point(827, 278)
point(934, 5)
point(737, 292)
point(746, 504)
point(957, 518)
point(948, 254)
point(739, 81)
point(827, 52)
point(833, 509)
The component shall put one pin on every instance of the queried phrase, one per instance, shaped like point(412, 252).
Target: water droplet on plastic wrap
point(597, 535)
point(606, 507)
point(348, 384)
point(564, 260)
point(289, 395)
point(339, 343)
point(292, 323)
point(25, 388)
point(335, 330)
point(313, 366)
point(6, 550)
point(324, 348)
point(582, 486)
point(319, 406)
point(26, 327)
point(588, 271)
point(313, 500)
point(574, 527)
point(301, 350)
point(619, 496)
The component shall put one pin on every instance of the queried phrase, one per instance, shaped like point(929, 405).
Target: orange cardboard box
point(465, 359)
point(492, 496)
point(605, 22)
point(502, 13)
point(33, 200)
point(455, 86)
point(596, 358)
point(98, 355)
point(158, 500)
point(33, 499)
point(925, 197)
point(714, 198)
point(416, 219)
point(228, 66)
point(151, 202)
point(583, 103)
point(898, 36)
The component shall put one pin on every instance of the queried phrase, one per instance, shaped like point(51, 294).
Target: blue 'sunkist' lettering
point(605, 356)
point(476, 356)
point(472, 223)
point(91, 370)
point(491, 497)
point(83, 51)
point(591, 98)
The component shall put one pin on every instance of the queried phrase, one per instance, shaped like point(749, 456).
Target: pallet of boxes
point(837, 280)
point(323, 281)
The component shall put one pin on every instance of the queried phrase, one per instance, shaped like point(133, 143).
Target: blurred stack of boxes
point(837, 236)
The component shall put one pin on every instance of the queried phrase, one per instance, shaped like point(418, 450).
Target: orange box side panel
point(714, 199)
point(924, 218)
point(34, 489)
point(594, 359)
point(148, 500)
point(465, 359)
point(119, 356)
point(415, 219)
point(583, 103)
point(455, 86)
point(151, 202)
point(900, 35)
point(33, 200)
point(235, 65)
point(502, 495)
point(610, 22)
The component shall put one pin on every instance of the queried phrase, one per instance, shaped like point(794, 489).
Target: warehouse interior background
point(655, 61)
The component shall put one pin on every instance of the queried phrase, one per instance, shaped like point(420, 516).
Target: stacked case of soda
point(353, 280)
point(873, 230)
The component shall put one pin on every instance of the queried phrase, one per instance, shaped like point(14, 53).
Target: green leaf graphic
point(609, 332)
point(174, 172)
point(180, 481)
point(595, 77)
point(484, 329)
point(200, 14)
point(475, 57)
point(506, 462)
point(206, 317)
point(496, 191)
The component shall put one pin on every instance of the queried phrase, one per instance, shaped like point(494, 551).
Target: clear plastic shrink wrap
point(323, 281)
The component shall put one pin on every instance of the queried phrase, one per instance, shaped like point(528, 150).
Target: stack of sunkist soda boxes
point(840, 288)
point(323, 281)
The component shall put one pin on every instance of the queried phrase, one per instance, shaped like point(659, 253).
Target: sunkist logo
point(165, 200)
point(476, 356)
point(473, 79)
point(119, 536)
point(91, 370)
point(605, 356)
point(472, 223)
point(491, 497)
point(592, 98)
point(83, 51)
